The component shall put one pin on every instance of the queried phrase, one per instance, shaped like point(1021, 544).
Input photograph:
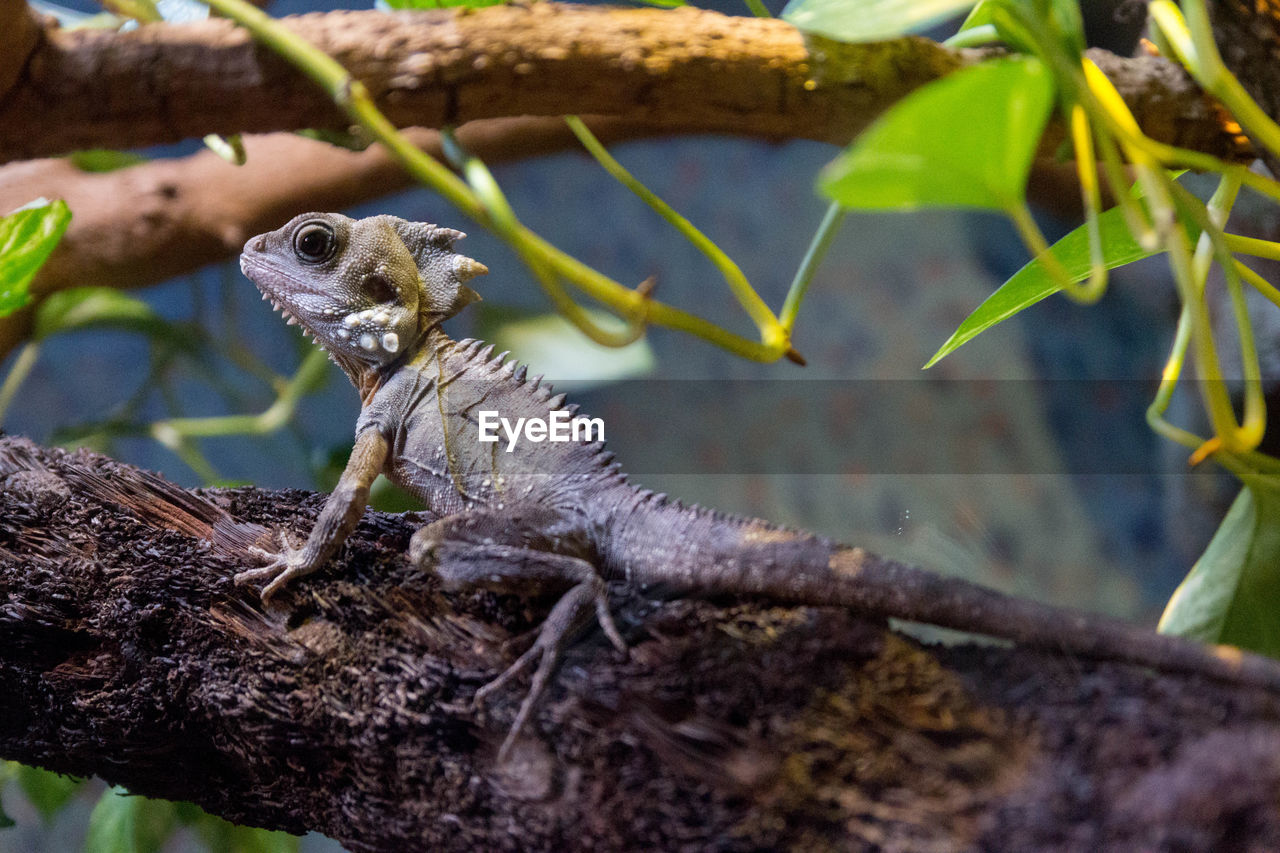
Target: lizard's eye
point(314, 243)
point(378, 288)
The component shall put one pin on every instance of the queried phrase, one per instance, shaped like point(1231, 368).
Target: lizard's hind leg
point(518, 550)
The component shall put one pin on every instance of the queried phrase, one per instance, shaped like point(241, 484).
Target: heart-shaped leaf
point(868, 20)
point(27, 236)
point(966, 140)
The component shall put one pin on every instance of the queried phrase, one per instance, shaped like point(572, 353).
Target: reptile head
point(364, 288)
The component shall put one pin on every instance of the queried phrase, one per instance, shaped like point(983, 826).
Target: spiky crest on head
point(444, 272)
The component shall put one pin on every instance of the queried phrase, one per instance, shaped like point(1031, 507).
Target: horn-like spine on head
point(444, 271)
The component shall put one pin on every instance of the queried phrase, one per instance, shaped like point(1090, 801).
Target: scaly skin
point(373, 292)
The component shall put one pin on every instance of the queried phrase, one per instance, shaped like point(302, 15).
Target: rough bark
point(1248, 37)
point(687, 70)
point(125, 651)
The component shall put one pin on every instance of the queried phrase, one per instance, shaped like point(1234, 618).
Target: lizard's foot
point(461, 565)
point(282, 566)
point(513, 551)
point(565, 619)
point(560, 626)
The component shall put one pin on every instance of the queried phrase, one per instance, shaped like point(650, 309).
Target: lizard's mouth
point(260, 271)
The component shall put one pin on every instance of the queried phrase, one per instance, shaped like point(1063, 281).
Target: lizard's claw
point(281, 566)
point(560, 625)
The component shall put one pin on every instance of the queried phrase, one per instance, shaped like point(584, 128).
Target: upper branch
point(687, 70)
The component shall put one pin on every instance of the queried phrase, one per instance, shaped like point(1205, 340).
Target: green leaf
point(27, 236)
point(220, 836)
point(1231, 593)
point(98, 307)
point(867, 20)
point(1060, 17)
point(981, 15)
point(966, 140)
point(46, 790)
point(121, 823)
point(224, 837)
point(1032, 283)
point(229, 148)
point(993, 14)
point(104, 159)
point(1064, 17)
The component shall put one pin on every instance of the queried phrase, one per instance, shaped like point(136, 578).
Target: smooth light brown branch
point(139, 226)
point(685, 70)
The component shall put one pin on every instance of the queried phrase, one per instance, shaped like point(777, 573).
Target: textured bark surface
point(126, 651)
point(1248, 37)
point(686, 70)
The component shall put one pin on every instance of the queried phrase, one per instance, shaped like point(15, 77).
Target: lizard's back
point(431, 410)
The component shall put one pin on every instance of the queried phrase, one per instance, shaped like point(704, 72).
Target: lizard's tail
point(694, 549)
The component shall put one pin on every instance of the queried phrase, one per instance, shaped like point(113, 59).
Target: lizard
point(374, 292)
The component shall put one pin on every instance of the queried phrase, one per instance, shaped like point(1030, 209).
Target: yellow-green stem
point(505, 223)
point(1169, 382)
point(1104, 104)
point(818, 246)
point(1035, 242)
point(974, 37)
point(354, 99)
point(1193, 43)
point(173, 431)
point(1213, 390)
point(746, 295)
point(1212, 217)
point(1258, 283)
point(1253, 246)
point(1087, 169)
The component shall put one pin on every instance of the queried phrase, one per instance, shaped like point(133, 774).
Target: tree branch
point(145, 224)
point(685, 70)
point(142, 225)
point(126, 651)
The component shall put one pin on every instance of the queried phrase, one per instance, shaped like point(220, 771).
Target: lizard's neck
point(369, 378)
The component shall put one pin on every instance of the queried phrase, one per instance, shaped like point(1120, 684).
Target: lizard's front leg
point(338, 518)
point(521, 547)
